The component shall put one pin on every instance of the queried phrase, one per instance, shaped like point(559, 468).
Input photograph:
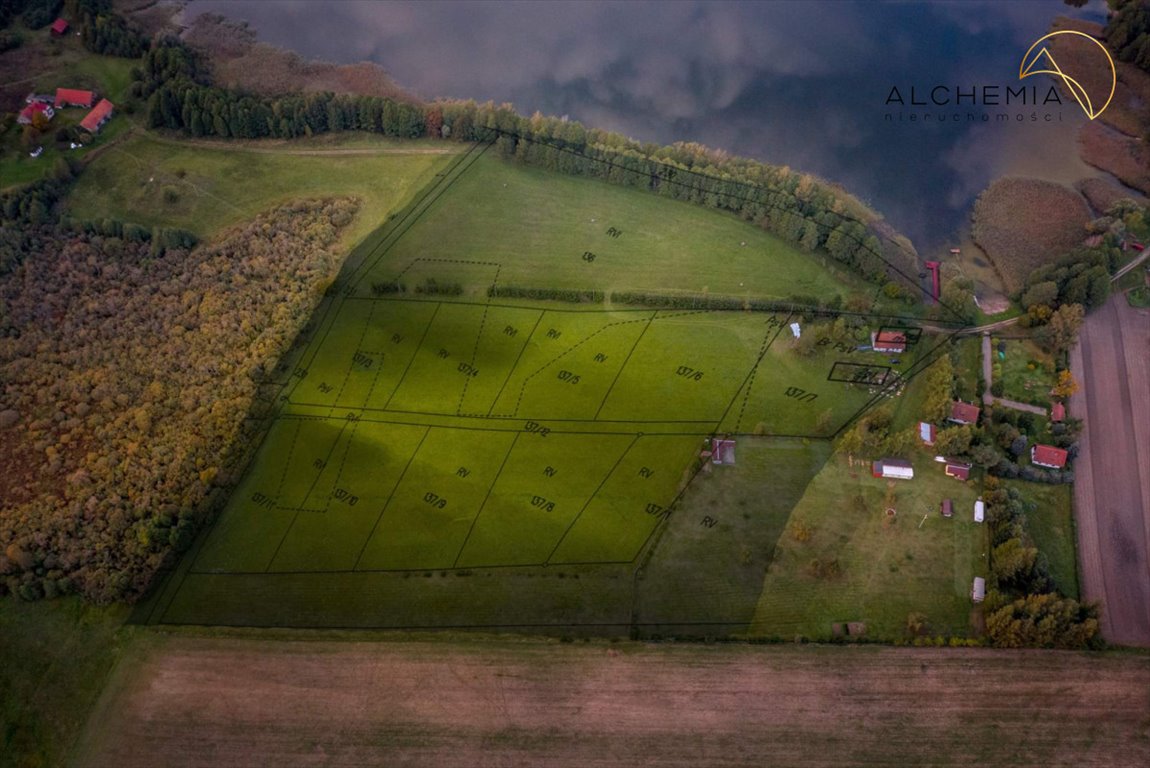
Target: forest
point(128, 380)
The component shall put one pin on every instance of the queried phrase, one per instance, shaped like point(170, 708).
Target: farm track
point(1112, 472)
point(195, 701)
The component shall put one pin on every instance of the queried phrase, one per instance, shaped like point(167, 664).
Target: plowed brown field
point(1112, 472)
point(191, 701)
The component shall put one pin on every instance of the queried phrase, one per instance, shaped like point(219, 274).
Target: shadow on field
point(704, 574)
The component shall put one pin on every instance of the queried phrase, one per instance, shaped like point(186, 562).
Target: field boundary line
point(478, 341)
point(768, 341)
point(414, 355)
point(751, 373)
point(514, 365)
point(307, 495)
point(591, 498)
point(486, 497)
point(627, 359)
point(390, 496)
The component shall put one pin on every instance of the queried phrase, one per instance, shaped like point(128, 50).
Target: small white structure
point(978, 589)
point(898, 469)
point(796, 330)
point(979, 511)
point(722, 451)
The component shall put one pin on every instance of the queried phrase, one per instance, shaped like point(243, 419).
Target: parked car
point(947, 508)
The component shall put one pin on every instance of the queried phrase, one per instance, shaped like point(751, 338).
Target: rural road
point(1112, 471)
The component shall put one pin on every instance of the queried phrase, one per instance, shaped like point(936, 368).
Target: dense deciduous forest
point(126, 381)
point(1128, 31)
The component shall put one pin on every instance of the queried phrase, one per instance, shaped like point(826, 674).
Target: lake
point(803, 84)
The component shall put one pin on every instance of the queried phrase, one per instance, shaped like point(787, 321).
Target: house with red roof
point(963, 413)
point(59, 27)
point(70, 97)
point(1048, 456)
point(30, 111)
point(1057, 412)
point(888, 341)
point(94, 121)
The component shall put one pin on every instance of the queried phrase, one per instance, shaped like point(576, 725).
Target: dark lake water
point(803, 84)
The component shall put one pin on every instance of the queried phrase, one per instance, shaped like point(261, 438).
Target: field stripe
point(475, 349)
point(751, 374)
point(311, 488)
point(515, 365)
point(591, 498)
point(414, 355)
point(626, 360)
point(768, 341)
point(390, 496)
point(487, 496)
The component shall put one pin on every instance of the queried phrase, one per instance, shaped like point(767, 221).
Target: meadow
point(207, 187)
point(434, 449)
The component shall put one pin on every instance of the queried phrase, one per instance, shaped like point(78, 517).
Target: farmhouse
point(898, 469)
point(926, 433)
point(959, 470)
point(963, 413)
point(888, 341)
point(979, 511)
point(69, 97)
point(59, 27)
point(33, 109)
point(1057, 412)
point(978, 589)
point(95, 119)
point(1048, 456)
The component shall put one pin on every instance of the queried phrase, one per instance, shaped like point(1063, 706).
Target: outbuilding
point(926, 433)
point(70, 97)
point(94, 120)
point(896, 469)
point(979, 511)
point(978, 589)
point(59, 27)
point(964, 413)
point(888, 341)
point(959, 470)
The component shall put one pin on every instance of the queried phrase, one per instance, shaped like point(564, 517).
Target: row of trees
point(1024, 607)
point(798, 208)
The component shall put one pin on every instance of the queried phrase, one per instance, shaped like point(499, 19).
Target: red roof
point(59, 26)
point(888, 341)
point(66, 96)
point(964, 413)
point(92, 122)
point(957, 469)
point(1057, 412)
point(34, 107)
point(1048, 456)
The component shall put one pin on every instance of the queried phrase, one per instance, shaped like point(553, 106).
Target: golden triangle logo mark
point(1043, 63)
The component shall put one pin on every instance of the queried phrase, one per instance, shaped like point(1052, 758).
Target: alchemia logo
point(980, 101)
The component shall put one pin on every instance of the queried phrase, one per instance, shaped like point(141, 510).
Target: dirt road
point(191, 701)
point(1112, 472)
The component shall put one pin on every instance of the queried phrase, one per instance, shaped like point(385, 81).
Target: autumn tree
point(1061, 330)
point(954, 441)
point(1066, 385)
point(939, 390)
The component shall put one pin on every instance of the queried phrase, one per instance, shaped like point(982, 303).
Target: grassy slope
point(218, 185)
point(54, 659)
point(538, 224)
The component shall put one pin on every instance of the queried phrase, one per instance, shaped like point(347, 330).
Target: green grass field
point(1027, 372)
point(435, 451)
point(217, 185)
point(887, 566)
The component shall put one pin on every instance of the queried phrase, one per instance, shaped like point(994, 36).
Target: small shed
point(722, 451)
point(796, 330)
point(978, 589)
point(947, 508)
point(979, 511)
point(897, 469)
point(59, 27)
point(888, 341)
point(1057, 412)
point(959, 470)
point(926, 433)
